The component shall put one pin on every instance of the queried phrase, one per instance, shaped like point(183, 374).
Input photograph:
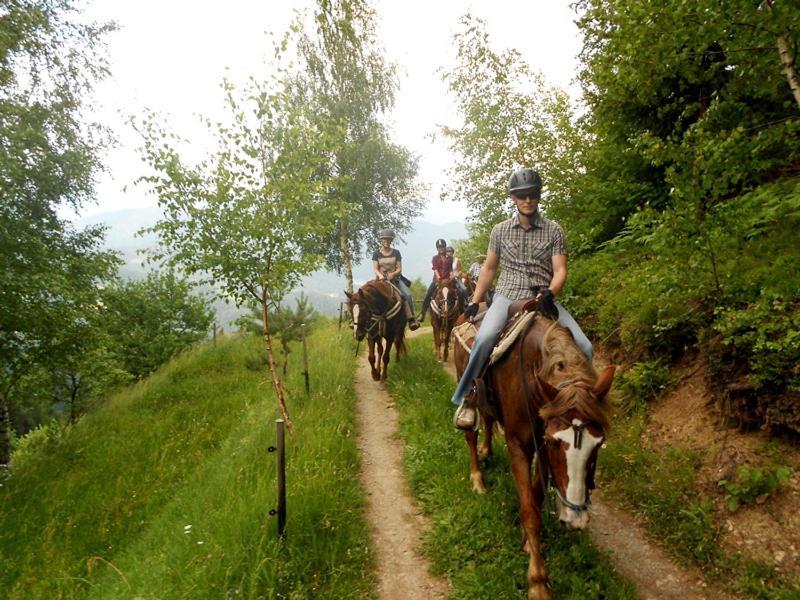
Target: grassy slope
point(476, 540)
point(101, 510)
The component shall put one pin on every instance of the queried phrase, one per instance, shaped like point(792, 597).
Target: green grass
point(476, 540)
point(661, 487)
point(102, 509)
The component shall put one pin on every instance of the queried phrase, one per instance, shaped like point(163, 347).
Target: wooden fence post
point(305, 357)
point(281, 478)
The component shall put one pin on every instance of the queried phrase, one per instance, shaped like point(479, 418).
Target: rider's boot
point(425, 306)
point(413, 324)
point(466, 416)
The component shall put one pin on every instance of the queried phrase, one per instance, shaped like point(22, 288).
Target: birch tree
point(372, 180)
point(245, 218)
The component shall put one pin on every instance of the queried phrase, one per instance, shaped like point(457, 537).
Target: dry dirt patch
point(687, 418)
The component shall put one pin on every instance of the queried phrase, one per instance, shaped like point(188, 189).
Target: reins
point(380, 320)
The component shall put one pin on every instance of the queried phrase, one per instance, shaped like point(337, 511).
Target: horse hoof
point(477, 484)
point(539, 591)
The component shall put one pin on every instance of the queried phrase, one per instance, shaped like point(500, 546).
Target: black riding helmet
point(440, 243)
point(525, 179)
point(385, 233)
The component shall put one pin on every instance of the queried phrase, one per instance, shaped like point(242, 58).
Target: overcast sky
point(170, 56)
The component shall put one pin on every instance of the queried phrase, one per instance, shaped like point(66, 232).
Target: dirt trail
point(646, 565)
point(395, 521)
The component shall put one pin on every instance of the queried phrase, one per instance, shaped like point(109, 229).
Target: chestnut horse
point(377, 309)
point(446, 307)
point(551, 404)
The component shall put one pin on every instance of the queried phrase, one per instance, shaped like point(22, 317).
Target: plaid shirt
point(475, 271)
point(526, 256)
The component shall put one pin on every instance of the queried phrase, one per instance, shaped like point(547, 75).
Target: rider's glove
point(471, 311)
point(546, 305)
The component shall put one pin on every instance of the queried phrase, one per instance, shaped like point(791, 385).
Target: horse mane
point(374, 296)
point(564, 362)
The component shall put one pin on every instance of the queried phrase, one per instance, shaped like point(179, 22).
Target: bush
point(37, 443)
point(642, 383)
point(752, 485)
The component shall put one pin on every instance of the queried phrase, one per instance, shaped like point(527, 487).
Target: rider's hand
point(546, 305)
point(471, 311)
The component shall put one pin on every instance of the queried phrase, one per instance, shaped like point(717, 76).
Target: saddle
point(521, 313)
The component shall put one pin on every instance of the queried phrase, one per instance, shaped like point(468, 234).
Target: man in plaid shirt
point(532, 253)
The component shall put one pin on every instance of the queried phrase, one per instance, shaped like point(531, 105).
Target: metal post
point(281, 479)
point(305, 357)
point(215, 333)
point(341, 312)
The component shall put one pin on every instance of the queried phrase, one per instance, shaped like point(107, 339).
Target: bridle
point(577, 429)
point(380, 320)
point(450, 312)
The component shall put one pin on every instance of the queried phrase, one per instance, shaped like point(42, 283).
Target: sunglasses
point(526, 195)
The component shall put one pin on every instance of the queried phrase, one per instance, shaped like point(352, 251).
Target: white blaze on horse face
point(445, 294)
point(355, 320)
point(577, 463)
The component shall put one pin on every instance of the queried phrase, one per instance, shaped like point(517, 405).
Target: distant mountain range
point(324, 288)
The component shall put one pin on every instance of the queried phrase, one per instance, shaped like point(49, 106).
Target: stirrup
point(463, 426)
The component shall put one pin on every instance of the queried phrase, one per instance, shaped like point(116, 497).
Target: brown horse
point(377, 310)
point(551, 404)
point(446, 307)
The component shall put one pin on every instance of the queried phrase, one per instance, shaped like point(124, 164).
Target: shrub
point(752, 485)
point(643, 382)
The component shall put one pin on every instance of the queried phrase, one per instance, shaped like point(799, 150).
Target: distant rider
point(388, 264)
point(442, 266)
point(456, 274)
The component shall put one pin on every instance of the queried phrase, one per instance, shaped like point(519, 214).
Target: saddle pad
point(465, 334)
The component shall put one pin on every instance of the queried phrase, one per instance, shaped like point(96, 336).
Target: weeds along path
point(395, 522)
point(655, 576)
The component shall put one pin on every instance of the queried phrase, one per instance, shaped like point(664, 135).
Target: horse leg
point(386, 356)
point(446, 341)
point(485, 451)
point(530, 506)
point(475, 475)
point(375, 374)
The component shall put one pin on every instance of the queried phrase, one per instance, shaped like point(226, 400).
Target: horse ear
point(346, 293)
point(604, 382)
point(360, 294)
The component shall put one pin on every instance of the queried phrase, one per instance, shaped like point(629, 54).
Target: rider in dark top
point(387, 263)
point(442, 266)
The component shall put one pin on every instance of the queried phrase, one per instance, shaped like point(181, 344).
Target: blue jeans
point(462, 288)
point(400, 285)
point(487, 335)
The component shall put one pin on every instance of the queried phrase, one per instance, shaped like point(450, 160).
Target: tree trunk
point(347, 261)
point(273, 367)
point(789, 67)
point(5, 431)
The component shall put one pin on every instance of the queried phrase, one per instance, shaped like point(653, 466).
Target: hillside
point(165, 490)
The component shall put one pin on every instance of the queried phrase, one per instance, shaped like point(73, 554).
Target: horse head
point(371, 298)
point(359, 310)
point(575, 425)
point(447, 297)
